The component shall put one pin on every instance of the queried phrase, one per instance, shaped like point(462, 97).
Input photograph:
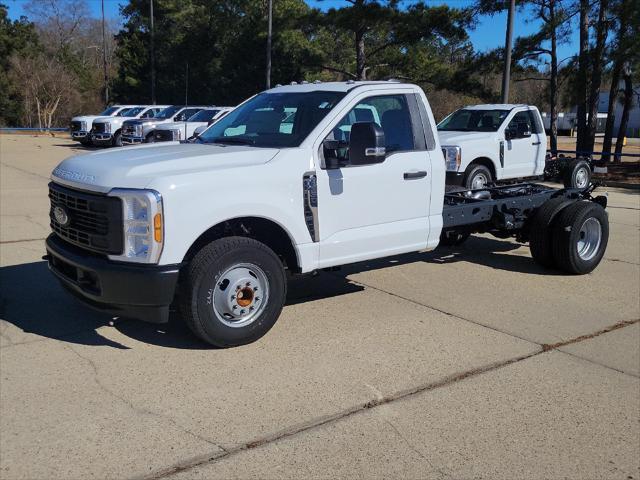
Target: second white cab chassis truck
point(297, 178)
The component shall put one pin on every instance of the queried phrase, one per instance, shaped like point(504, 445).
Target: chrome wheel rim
point(589, 238)
point(479, 181)
point(240, 295)
point(582, 177)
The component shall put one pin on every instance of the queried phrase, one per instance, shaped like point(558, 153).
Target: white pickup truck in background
point(107, 131)
point(297, 178)
point(483, 144)
point(80, 126)
point(176, 131)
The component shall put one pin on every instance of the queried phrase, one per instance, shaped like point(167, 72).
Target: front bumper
point(131, 140)
point(135, 291)
point(79, 135)
point(101, 138)
point(454, 178)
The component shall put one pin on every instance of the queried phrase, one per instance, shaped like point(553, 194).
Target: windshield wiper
point(234, 140)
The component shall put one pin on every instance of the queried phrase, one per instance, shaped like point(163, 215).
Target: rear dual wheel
point(571, 236)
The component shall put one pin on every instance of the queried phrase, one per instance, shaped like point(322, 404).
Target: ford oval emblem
point(61, 216)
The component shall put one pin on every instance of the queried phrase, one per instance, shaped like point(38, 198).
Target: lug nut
point(233, 297)
point(241, 312)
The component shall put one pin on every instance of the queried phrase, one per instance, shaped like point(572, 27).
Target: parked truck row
point(296, 179)
point(132, 124)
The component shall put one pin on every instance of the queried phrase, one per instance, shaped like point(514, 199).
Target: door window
point(523, 118)
point(390, 112)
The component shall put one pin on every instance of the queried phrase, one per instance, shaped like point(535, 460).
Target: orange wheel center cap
point(245, 297)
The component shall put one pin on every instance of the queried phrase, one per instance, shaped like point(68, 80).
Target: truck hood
point(85, 118)
point(180, 125)
point(136, 167)
point(460, 138)
point(147, 121)
point(115, 120)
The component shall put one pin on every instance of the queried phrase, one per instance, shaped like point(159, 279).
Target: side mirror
point(366, 144)
point(523, 130)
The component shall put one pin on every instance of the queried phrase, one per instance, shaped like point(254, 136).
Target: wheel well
point(261, 229)
point(485, 162)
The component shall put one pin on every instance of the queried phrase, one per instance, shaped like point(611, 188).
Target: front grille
point(99, 128)
point(131, 130)
point(76, 126)
point(164, 135)
point(95, 221)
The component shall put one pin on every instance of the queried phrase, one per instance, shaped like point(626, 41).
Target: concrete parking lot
point(466, 362)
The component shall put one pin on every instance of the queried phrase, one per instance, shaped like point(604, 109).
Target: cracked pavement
point(470, 362)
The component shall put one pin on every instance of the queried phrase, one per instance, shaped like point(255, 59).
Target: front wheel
point(151, 138)
point(477, 177)
point(117, 139)
point(233, 291)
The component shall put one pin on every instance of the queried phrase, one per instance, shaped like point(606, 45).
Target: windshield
point(109, 111)
point(203, 116)
point(167, 113)
point(130, 112)
point(472, 120)
point(273, 119)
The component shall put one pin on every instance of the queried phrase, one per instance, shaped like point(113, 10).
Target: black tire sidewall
point(475, 170)
point(117, 139)
point(150, 138)
point(540, 234)
point(217, 332)
point(566, 234)
point(572, 171)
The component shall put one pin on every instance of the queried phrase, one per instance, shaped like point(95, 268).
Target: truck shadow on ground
point(33, 301)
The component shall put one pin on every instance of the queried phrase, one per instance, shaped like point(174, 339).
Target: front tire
point(580, 236)
point(233, 291)
point(477, 177)
point(117, 139)
point(151, 138)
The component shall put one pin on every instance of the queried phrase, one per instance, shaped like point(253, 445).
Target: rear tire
point(577, 174)
point(580, 236)
point(233, 291)
point(477, 177)
point(540, 234)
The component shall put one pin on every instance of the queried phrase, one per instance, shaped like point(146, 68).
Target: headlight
point(175, 135)
point(107, 127)
point(143, 225)
point(452, 157)
point(138, 130)
point(83, 126)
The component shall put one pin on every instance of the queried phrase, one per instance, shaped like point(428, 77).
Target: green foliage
point(16, 38)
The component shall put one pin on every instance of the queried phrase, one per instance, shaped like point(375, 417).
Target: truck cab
point(487, 143)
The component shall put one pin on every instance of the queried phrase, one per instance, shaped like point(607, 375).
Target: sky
point(489, 33)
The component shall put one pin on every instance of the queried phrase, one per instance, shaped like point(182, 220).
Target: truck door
point(376, 210)
point(524, 145)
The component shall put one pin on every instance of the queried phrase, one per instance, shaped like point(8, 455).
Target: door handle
point(413, 175)
point(536, 143)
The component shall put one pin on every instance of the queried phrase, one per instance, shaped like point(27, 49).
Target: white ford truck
point(486, 143)
point(80, 126)
point(175, 131)
point(295, 179)
point(107, 131)
point(142, 130)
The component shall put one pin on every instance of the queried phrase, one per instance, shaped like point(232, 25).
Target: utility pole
point(269, 34)
point(506, 73)
point(153, 61)
point(104, 61)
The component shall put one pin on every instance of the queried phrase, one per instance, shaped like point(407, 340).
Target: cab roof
point(496, 106)
point(332, 86)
